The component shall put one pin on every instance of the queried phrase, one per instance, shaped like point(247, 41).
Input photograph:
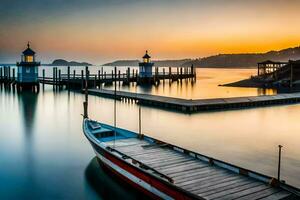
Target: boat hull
point(149, 185)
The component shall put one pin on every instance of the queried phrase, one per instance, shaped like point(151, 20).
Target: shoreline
point(249, 83)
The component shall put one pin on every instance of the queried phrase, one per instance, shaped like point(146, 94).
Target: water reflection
point(108, 186)
point(44, 154)
point(28, 102)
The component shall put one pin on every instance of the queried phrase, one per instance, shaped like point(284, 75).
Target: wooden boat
point(166, 171)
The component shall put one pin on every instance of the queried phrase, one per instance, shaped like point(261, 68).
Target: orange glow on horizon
point(183, 30)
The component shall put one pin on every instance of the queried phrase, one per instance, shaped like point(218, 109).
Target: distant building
point(28, 70)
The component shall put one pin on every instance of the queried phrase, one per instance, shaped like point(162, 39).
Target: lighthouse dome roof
point(28, 51)
point(146, 56)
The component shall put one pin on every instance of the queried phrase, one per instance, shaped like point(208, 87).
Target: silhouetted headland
point(244, 60)
point(62, 62)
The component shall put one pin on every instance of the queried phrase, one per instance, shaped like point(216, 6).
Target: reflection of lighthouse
point(28, 102)
point(28, 71)
point(27, 105)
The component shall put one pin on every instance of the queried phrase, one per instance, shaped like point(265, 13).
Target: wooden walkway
point(185, 105)
point(205, 179)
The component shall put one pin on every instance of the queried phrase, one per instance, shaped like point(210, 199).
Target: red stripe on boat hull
point(125, 179)
point(156, 183)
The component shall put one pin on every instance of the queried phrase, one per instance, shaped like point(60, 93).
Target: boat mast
point(85, 103)
point(115, 105)
point(140, 120)
point(140, 115)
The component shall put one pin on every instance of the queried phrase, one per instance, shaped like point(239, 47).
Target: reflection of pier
point(73, 80)
point(198, 105)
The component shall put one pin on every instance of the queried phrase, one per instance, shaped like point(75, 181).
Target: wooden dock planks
point(195, 176)
point(186, 105)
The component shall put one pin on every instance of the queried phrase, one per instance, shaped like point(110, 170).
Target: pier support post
point(1, 75)
point(59, 78)
point(87, 76)
point(140, 120)
point(74, 74)
point(82, 80)
point(13, 75)
point(180, 74)
point(119, 77)
point(164, 75)
point(56, 76)
point(9, 73)
point(54, 81)
point(132, 73)
point(99, 78)
point(128, 74)
point(85, 104)
point(43, 77)
point(170, 74)
point(68, 77)
point(279, 162)
point(53, 76)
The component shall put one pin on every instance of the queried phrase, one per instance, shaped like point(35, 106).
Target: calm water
point(45, 155)
point(206, 85)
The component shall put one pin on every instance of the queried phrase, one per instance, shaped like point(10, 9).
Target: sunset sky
point(99, 31)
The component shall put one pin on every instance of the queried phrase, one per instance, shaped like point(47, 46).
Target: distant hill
point(158, 63)
point(245, 60)
point(62, 62)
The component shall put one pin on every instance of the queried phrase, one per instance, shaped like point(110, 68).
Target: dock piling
point(53, 76)
point(43, 74)
point(13, 75)
point(59, 78)
point(1, 76)
point(9, 73)
point(279, 162)
point(68, 77)
point(99, 78)
point(82, 80)
point(180, 74)
point(164, 75)
point(56, 76)
point(119, 77)
point(128, 74)
point(85, 104)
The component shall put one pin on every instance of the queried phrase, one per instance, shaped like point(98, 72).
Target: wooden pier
point(201, 176)
point(198, 105)
point(77, 81)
